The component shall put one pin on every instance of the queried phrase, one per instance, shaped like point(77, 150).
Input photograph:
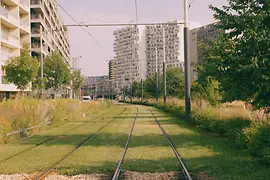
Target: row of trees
point(236, 66)
point(238, 63)
point(175, 84)
point(25, 70)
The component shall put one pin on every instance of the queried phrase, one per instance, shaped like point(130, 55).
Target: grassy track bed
point(209, 154)
point(148, 149)
point(43, 156)
point(101, 153)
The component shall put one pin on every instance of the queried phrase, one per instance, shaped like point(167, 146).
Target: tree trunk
point(23, 93)
point(54, 90)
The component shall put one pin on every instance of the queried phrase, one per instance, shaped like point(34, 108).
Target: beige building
point(201, 35)
point(15, 31)
point(174, 46)
point(48, 34)
point(130, 60)
point(112, 69)
point(47, 31)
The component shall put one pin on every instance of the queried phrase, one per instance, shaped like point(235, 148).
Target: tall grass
point(231, 120)
point(25, 113)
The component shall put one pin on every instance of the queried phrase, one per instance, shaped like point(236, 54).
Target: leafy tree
point(150, 85)
point(175, 82)
point(207, 90)
point(136, 89)
point(240, 59)
point(22, 70)
point(77, 81)
point(56, 72)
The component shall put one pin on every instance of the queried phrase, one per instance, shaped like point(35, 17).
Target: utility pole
point(42, 76)
point(142, 89)
point(164, 66)
point(187, 63)
point(156, 75)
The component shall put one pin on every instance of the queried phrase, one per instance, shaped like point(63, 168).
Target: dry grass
point(24, 113)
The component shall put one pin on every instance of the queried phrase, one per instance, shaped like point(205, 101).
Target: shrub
point(243, 137)
point(260, 144)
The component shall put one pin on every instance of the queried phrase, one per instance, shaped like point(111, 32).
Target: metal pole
point(142, 89)
point(164, 67)
point(42, 76)
point(187, 62)
point(156, 75)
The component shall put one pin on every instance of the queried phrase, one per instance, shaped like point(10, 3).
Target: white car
point(86, 99)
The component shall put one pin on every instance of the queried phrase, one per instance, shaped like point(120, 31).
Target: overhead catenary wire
point(80, 25)
point(190, 4)
point(123, 24)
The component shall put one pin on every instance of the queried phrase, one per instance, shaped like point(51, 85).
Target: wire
point(123, 24)
point(79, 24)
point(189, 6)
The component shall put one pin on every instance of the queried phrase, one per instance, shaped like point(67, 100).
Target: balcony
point(25, 24)
point(36, 17)
point(9, 39)
point(9, 16)
point(25, 5)
point(35, 2)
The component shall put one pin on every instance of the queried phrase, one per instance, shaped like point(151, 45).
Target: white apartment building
point(15, 31)
point(130, 60)
point(47, 31)
point(174, 46)
point(201, 35)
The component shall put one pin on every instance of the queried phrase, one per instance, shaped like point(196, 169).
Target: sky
point(94, 59)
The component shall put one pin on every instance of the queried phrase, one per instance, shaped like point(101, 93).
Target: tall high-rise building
point(174, 46)
point(112, 70)
point(201, 35)
point(47, 31)
point(48, 34)
point(15, 31)
point(129, 61)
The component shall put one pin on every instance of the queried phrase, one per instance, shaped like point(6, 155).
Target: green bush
point(260, 144)
point(243, 137)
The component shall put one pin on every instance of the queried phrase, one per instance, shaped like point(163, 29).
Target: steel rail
point(46, 172)
point(52, 138)
point(118, 169)
point(184, 169)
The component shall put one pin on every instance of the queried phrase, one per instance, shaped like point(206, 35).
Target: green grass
point(148, 150)
point(43, 156)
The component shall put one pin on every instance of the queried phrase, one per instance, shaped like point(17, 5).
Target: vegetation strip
point(117, 171)
point(52, 138)
point(184, 169)
point(42, 175)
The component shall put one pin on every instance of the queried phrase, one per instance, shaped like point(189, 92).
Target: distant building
point(112, 69)
point(15, 31)
point(98, 86)
point(75, 63)
point(201, 35)
point(174, 46)
point(129, 61)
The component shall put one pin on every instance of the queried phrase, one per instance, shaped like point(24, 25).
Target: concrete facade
point(130, 60)
point(174, 46)
point(47, 31)
point(15, 31)
point(202, 35)
point(98, 86)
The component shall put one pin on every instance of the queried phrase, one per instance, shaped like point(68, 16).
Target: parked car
point(86, 99)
